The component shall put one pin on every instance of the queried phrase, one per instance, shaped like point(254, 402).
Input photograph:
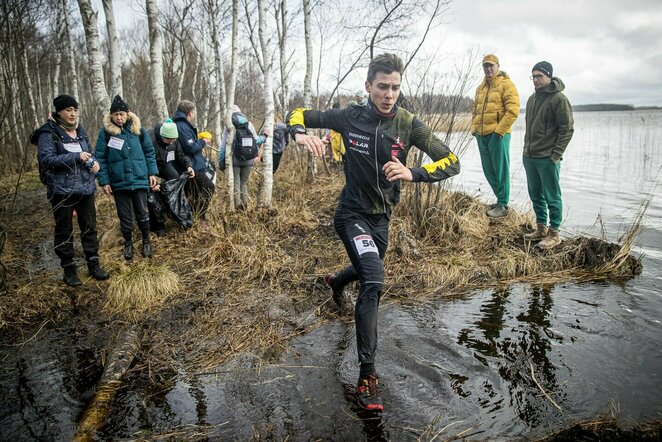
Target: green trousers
point(495, 158)
point(542, 179)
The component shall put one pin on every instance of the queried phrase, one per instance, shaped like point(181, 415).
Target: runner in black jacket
point(377, 137)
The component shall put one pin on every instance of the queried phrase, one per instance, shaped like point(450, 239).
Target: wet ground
point(518, 362)
point(465, 366)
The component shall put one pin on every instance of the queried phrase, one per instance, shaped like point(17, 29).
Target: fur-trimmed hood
point(132, 123)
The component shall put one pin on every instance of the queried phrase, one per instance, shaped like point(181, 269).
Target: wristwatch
point(299, 130)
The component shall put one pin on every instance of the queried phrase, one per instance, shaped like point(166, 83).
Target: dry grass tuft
point(140, 289)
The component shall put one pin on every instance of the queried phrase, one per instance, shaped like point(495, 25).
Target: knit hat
point(490, 59)
point(545, 67)
point(64, 101)
point(169, 129)
point(235, 108)
point(118, 105)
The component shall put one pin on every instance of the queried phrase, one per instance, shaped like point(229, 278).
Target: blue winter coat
point(68, 175)
point(129, 166)
point(188, 138)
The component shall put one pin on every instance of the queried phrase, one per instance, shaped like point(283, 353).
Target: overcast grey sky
point(605, 51)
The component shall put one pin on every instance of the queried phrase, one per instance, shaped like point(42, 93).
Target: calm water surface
point(474, 365)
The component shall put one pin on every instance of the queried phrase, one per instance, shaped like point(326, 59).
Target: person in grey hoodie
point(549, 129)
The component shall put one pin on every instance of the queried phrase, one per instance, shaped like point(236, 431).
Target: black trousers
point(366, 239)
point(276, 160)
point(63, 208)
point(128, 202)
point(200, 191)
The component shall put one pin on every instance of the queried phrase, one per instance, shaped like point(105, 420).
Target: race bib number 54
point(365, 244)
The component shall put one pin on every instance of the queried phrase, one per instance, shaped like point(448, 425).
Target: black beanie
point(118, 105)
point(545, 67)
point(64, 101)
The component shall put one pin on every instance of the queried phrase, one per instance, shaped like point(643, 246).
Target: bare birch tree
point(94, 55)
point(307, 99)
point(69, 49)
point(231, 84)
point(156, 59)
point(264, 199)
point(116, 86)
point(282, 25)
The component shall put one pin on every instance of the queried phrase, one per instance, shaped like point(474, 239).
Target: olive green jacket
point(549, 123)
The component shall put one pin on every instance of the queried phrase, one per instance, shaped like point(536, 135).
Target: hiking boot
point(552, 239)
point(538, 234)
point(96, 271)
point(128, 250)
point(497, 212)
point(337, 293)
point(147, 248)
point(70, 277)
point(367, 394)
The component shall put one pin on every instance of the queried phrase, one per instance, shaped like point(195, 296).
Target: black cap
point(118, 105)
point(64, 101)
point(545, 67)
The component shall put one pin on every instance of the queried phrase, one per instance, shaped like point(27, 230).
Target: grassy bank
point(250, 281)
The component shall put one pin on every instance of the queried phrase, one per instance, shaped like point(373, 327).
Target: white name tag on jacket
point(246, 142)
point(116, 143)
point(73, 147)
point(171, 156)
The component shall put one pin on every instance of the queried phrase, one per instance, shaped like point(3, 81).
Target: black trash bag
point(157, 207)
point(210, 170)
point(176, 201)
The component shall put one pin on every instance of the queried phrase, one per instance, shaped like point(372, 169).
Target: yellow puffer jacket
point(337, 146)
point(496, 106)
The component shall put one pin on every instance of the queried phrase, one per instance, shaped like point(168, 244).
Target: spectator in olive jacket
point(548, 132)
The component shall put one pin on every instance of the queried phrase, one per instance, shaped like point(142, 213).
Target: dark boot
point(70, 276)
point(96, 271)
point(147, 247)
point(128, 250)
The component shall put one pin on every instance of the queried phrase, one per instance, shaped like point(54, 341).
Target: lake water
point(473, 365)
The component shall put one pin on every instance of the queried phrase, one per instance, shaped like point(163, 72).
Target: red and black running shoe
point(367, 394)
point(337, 292)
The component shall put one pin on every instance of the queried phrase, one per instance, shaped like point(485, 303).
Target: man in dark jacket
point(68, 168)
point(377, 137)
point(202, 188)
point(549, 129)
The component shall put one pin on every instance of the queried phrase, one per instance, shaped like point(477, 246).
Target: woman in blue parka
point(128, 170)
point(67, 167)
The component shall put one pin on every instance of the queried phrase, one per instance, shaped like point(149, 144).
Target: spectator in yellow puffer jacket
point(496, 108)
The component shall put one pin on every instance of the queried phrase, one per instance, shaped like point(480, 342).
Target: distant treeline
point(610, 107)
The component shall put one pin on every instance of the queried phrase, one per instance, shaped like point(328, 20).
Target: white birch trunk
point(219, 94)
point(232, 82)
point(94, 55)
point(56, 77)
point(69, 51)
point(264, 199)
point(29, 94)
point(113, 50)
point(179, 57)
point(312, 163)
point(284, 80)
point(156, 59)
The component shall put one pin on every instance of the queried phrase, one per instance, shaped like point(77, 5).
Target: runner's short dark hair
point(386, 63)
